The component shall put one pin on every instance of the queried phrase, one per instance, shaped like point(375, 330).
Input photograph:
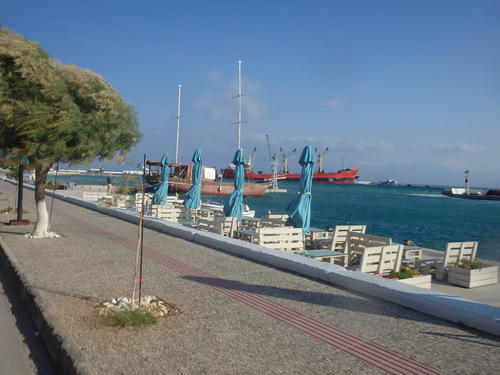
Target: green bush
point(405, 273)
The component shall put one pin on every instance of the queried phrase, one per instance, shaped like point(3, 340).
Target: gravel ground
point(215, 334)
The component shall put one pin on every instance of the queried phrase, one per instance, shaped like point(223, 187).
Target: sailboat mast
point(239, 103)
point(178, 123)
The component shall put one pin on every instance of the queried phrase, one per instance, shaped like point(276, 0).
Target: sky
point(404, 90)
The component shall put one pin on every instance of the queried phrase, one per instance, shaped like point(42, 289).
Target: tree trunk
point(42, 221)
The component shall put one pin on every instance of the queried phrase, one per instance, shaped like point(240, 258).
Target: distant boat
point(491, 195)
point(467, 193)
point(343, 176)
point(180, 176)
point(180, 180)
point(389, 182)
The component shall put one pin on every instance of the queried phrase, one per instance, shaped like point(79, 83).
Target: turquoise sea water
point(422, 215)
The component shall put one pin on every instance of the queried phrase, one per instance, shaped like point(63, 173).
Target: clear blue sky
point(408, 90)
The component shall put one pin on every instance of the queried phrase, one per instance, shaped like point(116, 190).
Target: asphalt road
point(21, 350)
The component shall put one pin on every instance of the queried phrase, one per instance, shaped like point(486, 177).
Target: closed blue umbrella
point(161, 190)
point(193, 195)
point(299, 208)
point(233, 206)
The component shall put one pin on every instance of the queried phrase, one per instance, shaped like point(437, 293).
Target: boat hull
point(180, 180)
point(346, 176)
point(218, 188)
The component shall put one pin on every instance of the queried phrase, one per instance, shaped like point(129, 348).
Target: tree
point(52, 112)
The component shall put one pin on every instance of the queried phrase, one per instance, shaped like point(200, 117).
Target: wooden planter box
point(422, 281)
point(473, 278)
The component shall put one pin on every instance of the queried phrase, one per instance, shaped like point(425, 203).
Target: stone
point(123, 299)
point(148, 303)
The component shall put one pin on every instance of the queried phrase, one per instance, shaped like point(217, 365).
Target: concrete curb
point(65, 354)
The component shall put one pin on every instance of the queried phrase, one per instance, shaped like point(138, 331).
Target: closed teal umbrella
point(299, 208)
point(161, 190)
point(193, 195)
point(233, 206)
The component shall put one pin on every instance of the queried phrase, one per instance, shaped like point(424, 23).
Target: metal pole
point(178, 121)
point(239, 103)
point(53, 194)
point(140, 242)
point(20, 192)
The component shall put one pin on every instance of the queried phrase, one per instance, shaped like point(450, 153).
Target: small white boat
point(247, 212)
point(388, 183)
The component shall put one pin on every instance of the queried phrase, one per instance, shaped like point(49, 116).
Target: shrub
point(471, 264)
point(405, 273)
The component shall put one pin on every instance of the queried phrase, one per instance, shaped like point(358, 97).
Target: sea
point(420, 214)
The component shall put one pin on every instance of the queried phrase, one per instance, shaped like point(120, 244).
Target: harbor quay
point(244, 309)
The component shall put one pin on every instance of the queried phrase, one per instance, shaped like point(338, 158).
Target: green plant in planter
point(405, 273)
point(471, 264)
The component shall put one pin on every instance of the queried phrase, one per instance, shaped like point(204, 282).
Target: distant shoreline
point(78, 172)
point(82, 172)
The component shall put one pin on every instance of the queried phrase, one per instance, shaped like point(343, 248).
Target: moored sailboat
point(180, 180)
point(180, 174)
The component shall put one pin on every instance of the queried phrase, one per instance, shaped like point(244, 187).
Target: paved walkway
point(238, 316)
point(489, 294)
point(21, 351)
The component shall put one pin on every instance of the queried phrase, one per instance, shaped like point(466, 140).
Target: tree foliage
point(52, 112)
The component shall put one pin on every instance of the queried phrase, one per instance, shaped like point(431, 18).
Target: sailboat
point(180, 174)
point(180, 180)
